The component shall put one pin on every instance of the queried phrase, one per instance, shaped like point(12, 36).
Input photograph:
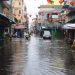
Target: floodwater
point(36, 57)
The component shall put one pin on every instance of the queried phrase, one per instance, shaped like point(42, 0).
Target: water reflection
point(5, 58)
point(33, 58)
point(69, 62)
point(20, 52)
point(36, 57)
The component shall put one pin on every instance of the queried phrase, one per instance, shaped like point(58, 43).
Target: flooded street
point(29, 30)
point(36, 57)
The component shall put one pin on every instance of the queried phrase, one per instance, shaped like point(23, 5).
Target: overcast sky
point(32, 5)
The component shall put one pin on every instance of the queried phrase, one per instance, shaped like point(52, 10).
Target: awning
point(5, 21)
point(20, 27)
point(69, 26)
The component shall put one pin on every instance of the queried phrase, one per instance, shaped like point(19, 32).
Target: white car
point(46, 34)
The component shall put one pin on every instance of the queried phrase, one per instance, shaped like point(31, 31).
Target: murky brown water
point(36, 57)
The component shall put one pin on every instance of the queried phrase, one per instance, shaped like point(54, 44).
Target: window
point(19, 3)
point(19, 11)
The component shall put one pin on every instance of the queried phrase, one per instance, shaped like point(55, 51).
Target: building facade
point(18, 10)
point(19, 14)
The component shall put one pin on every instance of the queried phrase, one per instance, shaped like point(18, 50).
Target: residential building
point(18, 10)
point(20, 15)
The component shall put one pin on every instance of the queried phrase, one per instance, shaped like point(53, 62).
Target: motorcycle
point(27, 37)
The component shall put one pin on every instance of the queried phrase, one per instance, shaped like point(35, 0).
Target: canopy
point(20, 27)
point(69, 26)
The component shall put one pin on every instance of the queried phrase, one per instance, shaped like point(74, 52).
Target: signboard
point(54, 16)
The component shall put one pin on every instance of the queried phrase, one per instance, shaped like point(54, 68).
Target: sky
point(32, 5)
